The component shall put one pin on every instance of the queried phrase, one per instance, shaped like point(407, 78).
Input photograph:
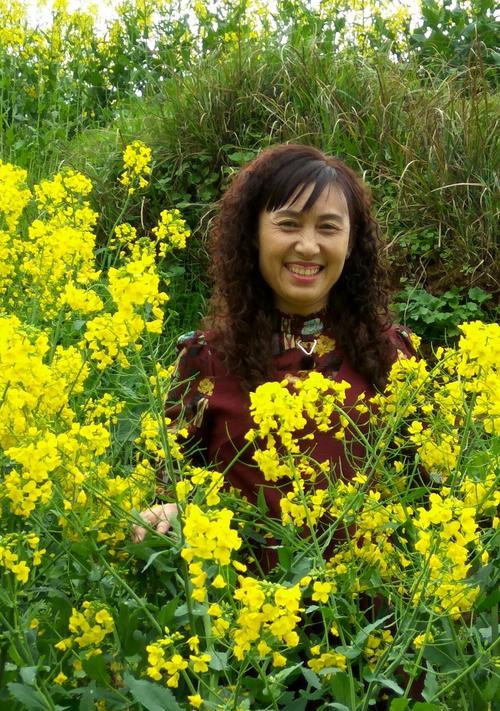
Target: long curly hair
point(241, 314)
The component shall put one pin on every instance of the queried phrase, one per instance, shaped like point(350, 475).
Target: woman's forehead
point(323, 198)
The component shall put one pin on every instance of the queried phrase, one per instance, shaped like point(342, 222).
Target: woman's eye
point(288, 224)
point(328, 228)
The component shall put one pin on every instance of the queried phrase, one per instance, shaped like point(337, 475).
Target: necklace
point(312, 348)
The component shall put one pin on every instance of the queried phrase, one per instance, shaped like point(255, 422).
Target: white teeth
point(303, 271)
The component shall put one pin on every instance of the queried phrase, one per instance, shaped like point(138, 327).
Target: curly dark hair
point(242, 316)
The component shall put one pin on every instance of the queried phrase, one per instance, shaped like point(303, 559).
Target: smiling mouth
point(304, 271)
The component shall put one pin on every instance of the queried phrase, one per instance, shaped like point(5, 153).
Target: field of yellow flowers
point(403, 606)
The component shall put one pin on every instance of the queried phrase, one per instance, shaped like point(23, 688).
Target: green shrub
point(436, 318)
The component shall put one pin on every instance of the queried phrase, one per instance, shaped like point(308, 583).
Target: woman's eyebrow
point(297, 213)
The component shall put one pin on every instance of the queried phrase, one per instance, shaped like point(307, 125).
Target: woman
point(299, 285)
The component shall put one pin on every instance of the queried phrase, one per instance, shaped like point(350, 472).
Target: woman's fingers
point(163, 527)
point(158, 517)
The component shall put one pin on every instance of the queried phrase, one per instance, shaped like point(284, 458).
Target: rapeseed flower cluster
point(209, 535)
point(376, 645)
point(449, 538)
point(54, 441)
point(328, 660)
point(172, 655)
point(89, 626)
point(14, 195)
point(160, 442)
point(171, 232)
point(137, 162)
point(464, 383)
point(209, 538)
point(267, 621)
point(281, 412)
point(135, 290)
point(18, 552)
point(57, 263)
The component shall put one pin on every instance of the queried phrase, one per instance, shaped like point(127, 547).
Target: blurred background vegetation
point(408, 99)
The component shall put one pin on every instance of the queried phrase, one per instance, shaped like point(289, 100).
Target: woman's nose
point(307, 244)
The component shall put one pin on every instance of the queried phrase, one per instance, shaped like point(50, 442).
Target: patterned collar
point(304, 327)
point(295, 331)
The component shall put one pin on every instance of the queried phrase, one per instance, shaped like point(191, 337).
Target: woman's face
point(302, 254)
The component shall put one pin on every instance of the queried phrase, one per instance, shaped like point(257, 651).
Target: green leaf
point(341, 687)
point(152, 696)
point(442, 657)
point(492, 689)
point(383, 681)
point(218, 661)
point(431, 685)
point(28, 675)
point(349, 652)
point(285, 557)
point(478, 295)
point(95, 667)
point(424, 706)
point(241, 157)
point(311, 678)
point(29, 697)
point(87, 699)
point(489, 601)
point(399, 705)
point(152, 559)
point(167, 612)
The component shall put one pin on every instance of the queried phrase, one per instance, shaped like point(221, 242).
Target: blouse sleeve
point(187, 401)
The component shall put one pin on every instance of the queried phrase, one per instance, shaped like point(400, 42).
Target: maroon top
point(215, 406)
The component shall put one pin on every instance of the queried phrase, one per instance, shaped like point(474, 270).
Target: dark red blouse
point(215, 406)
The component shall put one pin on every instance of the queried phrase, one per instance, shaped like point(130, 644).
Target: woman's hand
point(159, 517)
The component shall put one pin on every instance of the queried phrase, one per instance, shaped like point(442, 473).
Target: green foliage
point(454, 34)
point(436, 318)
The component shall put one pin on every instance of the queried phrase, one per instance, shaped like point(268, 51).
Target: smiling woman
point(299, 286)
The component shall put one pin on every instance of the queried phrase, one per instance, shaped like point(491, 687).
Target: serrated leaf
point(152, 696)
